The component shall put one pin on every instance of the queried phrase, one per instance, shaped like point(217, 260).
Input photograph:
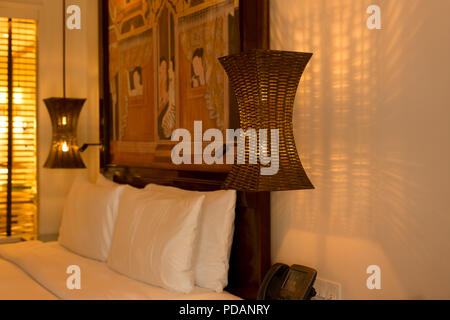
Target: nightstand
point(9, 240)
point(48, 237)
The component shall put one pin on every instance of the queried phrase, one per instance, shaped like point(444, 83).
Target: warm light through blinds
point(22, 122)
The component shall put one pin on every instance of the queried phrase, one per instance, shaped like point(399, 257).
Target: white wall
point(372, 127)
point(82, 82)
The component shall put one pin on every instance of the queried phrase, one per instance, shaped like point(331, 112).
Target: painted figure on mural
point(198, 74)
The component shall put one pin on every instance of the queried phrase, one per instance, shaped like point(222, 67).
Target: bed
point(34, 270)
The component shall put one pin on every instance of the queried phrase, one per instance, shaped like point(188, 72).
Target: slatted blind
point(18, 114)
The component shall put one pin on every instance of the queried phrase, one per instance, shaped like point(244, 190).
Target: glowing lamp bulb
point(65, 147)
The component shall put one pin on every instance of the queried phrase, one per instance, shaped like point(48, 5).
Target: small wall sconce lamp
point(64, 152)
point(64, 113)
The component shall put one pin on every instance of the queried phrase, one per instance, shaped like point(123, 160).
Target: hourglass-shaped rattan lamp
point(64, 152)
point(265, 83)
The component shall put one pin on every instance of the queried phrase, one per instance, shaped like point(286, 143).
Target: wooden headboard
point(250, 253)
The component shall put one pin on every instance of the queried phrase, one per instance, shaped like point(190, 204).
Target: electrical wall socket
point(327, 290)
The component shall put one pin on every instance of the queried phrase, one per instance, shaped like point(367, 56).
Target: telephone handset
point(288, 283)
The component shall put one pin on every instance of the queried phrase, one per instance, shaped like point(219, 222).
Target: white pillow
point(155, 238)
point(88, 219)
point(211, 260)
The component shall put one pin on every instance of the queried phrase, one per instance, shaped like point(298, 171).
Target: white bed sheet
point(47, 263)
point(17, 285)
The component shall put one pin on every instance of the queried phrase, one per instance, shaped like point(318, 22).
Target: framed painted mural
point(161, 72)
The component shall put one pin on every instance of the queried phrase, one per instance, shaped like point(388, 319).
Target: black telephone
point(288, 283)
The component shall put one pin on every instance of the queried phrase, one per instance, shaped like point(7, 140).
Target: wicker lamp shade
point(64, 113)
point(265, 83)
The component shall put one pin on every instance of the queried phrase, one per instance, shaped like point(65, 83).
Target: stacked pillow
point(163, 236)
point(215, 235)
point(155, 237)
point(89, 217)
